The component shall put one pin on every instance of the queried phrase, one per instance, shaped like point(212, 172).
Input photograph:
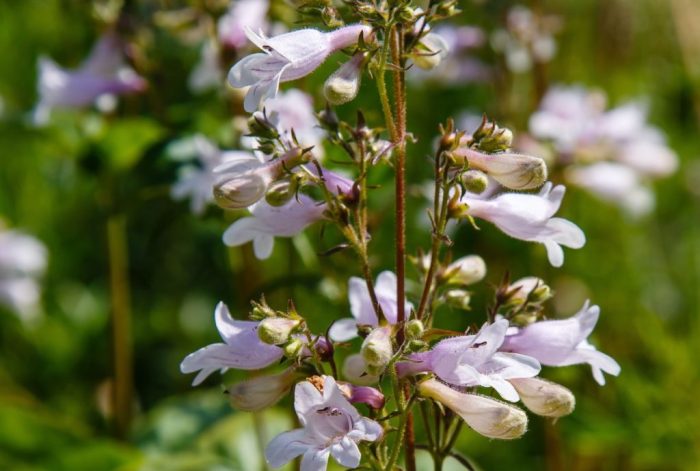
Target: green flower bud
point(276, 330)
point(414, 329)
point(377, 350)
point(458, 298)
point(465, 271)
point(293, 348)
point(280, 192)
point(344, 84)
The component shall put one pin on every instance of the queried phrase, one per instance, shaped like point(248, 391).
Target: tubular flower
point(544, 397)
point(262, 391)
point(514, 171)
point(102, 73)
point(331, 427)
point(361, 306)
point(267, 222)
point(474, 360)
point(287, 57)
point(489, 417)
point(242, 349)
point(530, 218)
point(563, 342)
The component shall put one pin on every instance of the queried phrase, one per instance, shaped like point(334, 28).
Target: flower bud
point(475, 181)
point(260, 126)
point(416, 345)
point(414, 329)
point(262, 391)
point(377, 350)
point(243, 183)
point(280, 192)
point(465, 271)
point(489, 417)
point(458, 298)
point(276, 330)
point(529, 288)
point(355, 370)
point(362, 394)
point(514, 171)
point(293, 349)
point(544, 397)
point(344, 84)
point(431, 50)
point(500, 140)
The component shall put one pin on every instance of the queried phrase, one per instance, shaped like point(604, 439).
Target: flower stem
point(121, 322)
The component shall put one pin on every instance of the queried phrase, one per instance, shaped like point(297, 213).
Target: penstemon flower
point(287, 57)
point(563, 342)
point(331, 427)
point(242, 349)
point(267, 222)
point(474, 360)
point(530, 218)
point(242, 14)
point(102, 73)
point(361, 306)
point(23, 260)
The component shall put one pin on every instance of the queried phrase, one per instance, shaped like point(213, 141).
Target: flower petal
point(315, 460)
point(343, 330)
point(285, 447)
point(346, 453)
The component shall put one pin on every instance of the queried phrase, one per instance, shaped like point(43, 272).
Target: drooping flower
point(344, 84)
point(23, 260)
point(487, 416)
point(331, 427)
point(474, 360)
point(530, 218)
point(267, 222)
point(287, 57)
point(242, 349)
point(102, 73)
point(242, 14)
point(361, 306)
point(563, 342)
point(262, 391)
point(544, 397)
point(196, 182)
point(512, 170)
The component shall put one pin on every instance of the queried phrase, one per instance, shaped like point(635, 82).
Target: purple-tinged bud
point(362, 394)
point(544, 397)
point(344, 84)
point(514, 171)
point(487, 416)
point(465, 271)
point(262, 391)
point(276, 330)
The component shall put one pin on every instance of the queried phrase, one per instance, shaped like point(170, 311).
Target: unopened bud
point(293, 349)
point(414, 329)
point(276, 330)
point(545, 397)
point(355, 370)
point(500, 140)
point(431, 50)
point(416, 345)
point(377, 350)
point(242, 182)
point(259, 125)
point(344, 84)
point(263, 391)
point(458, 298)
point(514, 171)
point(531, 289)
point(465, 271)
point(475, 181)
point(280, 192)
point(362, 394)
point(487, 416)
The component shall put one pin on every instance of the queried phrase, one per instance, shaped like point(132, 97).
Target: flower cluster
point(611, 153)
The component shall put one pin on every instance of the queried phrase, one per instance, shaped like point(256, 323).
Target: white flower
point(362, 309)
point(267, 222)
point(294, 110)
point(512, 170)
point(287, 57)
point(207, 74)
point(489, 417)
point(23, 260)
point(331, 427)
point(530, 218)
point(563, 342)
point(102, 73)
point(544, 397)
point(262, 391)
point(465, 271)
point(474, 360)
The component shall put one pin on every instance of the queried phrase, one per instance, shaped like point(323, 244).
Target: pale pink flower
point(331, 427)
point(530, 218)
point(242, 349)
point(242, 14)
point(104, 72)
point(474, 360)
point(267, 222)
point(287, 57)
point(563, 342)
point(361, 306)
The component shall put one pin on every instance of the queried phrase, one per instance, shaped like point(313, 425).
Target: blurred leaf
point(126, 140)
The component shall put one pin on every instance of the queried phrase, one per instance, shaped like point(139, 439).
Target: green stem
point(121, 322)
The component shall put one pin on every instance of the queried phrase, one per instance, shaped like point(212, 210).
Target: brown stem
point(410, 439)
point(121, 323)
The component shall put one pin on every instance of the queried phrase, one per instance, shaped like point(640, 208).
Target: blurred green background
point(64, 183)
